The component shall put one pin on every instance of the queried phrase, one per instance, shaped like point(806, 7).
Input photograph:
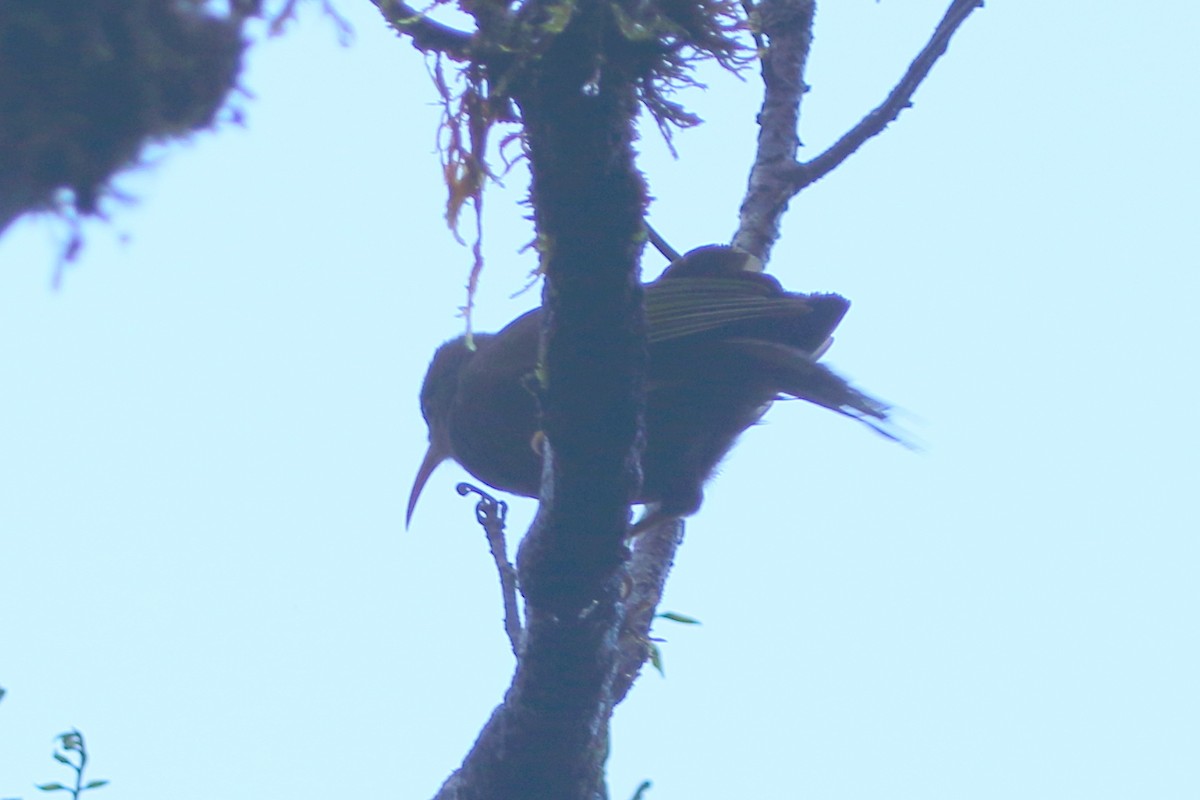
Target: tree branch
point(428, 36)
point(787, 26)
point(776, 176)
point(653, 556)
point(550, 736)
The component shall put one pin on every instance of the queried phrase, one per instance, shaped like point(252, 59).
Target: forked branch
point(776, 176)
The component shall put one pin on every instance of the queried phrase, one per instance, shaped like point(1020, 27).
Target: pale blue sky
point(207, 436)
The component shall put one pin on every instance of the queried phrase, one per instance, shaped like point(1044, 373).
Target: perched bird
point(723, 344)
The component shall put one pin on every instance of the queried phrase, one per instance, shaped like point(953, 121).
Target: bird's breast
point(492, 429)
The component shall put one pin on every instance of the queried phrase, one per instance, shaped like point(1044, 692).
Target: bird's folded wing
point(681, 307)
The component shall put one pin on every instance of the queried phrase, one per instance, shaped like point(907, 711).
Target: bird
point(724, 343)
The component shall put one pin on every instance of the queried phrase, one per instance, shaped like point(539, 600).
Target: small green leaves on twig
point(653, 651)
point(72, 743)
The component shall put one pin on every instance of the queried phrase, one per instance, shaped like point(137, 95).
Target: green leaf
point(60, 758)
point(95, 784)
point(656, 658)
point(682, 618)
point(52, 787)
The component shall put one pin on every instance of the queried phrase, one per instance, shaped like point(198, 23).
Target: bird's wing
point(683, 307)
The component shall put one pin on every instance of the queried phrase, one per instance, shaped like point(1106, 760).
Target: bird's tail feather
point(799, 375)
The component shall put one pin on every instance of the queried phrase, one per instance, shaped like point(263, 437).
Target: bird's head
point(437, 404)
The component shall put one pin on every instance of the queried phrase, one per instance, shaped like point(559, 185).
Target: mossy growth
point(85, 86)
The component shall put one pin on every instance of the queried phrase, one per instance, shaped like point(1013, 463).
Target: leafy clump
point(85, 86)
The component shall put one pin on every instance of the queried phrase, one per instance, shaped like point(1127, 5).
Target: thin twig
point(491, 513)
point(428, 36)
point(899, 99)
point(661, 245)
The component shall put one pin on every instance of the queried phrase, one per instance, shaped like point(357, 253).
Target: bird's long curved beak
point(433, 456)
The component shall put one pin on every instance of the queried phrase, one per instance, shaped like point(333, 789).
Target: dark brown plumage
point(723, 343)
